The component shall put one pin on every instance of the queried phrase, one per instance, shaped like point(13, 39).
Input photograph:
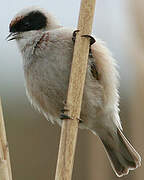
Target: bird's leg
point(64, 116)
point(64, 110)
point(80, 120)
point(74, 35)
point(92, 41)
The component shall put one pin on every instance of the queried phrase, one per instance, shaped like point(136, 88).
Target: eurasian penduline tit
point(47, 50)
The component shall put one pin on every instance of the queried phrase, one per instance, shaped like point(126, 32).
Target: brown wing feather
point(93, 70)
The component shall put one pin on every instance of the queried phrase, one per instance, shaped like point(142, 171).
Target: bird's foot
point(64, 116)
point(74, 35)
point(92, 41)
point(64, 102)
point(64, 110)
point(80, 120)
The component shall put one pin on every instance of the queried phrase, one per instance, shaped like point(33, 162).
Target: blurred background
point(33, 141)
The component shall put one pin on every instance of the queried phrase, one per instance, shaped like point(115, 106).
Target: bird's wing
point(108, 75)
point(102, 66)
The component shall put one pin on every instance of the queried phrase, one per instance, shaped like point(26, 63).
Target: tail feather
point(122, 155)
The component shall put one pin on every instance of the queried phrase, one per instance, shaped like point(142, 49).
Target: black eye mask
point(33, 21)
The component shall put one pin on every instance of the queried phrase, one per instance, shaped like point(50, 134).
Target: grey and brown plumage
point(47, 50)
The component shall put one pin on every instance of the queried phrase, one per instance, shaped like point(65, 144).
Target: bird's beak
point(12, 36)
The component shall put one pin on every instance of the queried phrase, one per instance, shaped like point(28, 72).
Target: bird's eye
point(27, 24)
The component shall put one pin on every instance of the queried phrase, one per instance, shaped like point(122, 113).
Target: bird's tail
point(122, 155)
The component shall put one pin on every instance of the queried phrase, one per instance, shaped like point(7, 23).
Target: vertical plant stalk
point(5, 167)
point(75, 92)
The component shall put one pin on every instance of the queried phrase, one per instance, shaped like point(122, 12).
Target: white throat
point(28, 39)
point(27, 43)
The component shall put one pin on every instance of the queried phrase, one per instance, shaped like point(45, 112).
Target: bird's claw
point(64, 110)
point(64, 116)
point(92, 39)
point(74, 35)
point(80, 120)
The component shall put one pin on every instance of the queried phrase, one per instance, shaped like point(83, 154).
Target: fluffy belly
point(47, 90)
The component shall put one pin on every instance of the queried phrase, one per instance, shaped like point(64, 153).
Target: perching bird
point(47, 50)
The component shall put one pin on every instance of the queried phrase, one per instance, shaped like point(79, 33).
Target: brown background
point(33, 141)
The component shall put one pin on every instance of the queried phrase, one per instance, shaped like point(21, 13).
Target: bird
point(47, 50)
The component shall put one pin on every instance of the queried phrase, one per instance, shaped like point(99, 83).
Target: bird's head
point(31, 19)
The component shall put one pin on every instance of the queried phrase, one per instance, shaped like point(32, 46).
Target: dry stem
point(5, 168)
point(75, 92)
